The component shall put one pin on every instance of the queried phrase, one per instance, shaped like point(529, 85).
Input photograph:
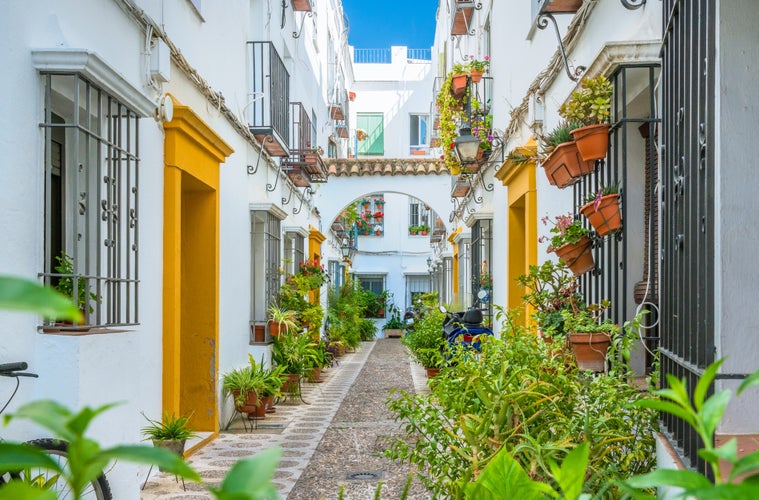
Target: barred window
point(91, 212)
point(265, 262)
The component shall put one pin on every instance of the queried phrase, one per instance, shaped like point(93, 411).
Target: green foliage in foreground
point(20, 294)
point(526, 397)
point(247, 479)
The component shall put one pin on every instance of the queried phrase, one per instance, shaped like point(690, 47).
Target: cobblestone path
point(340, 431)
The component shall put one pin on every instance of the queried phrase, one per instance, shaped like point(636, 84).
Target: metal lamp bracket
point(543, 24)
point(296, 34)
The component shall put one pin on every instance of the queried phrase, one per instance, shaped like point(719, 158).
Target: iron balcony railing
point(385, 56)
point(269, 96)
point(304, 157)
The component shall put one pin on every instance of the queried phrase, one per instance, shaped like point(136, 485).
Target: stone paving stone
point(286, 428)
point(357, 434)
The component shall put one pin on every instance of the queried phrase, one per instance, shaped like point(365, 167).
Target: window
point(314, 138)
point(265, 258)
point(335, 273)
point(374, 283)
point(418, 130)
point(91, 211)
point(373, 125)
point(416, 285)
point(294, 253)
point(418, 214)
point(482, 237)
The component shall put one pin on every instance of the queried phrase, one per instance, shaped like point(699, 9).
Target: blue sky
point(379, 24)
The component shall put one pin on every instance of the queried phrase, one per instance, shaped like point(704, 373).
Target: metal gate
point(687, 204)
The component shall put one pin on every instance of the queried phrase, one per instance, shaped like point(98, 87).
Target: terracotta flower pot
point(476, 75)
point(259, 411)
point(315, 375)
point(592, 141)
point(590, 350)
point(606, 218)
point(268, 403)
point(577, 256)
point(564, 166)
point(458, 85)
point(250, 402)
point(432, 372)
point(291, 384)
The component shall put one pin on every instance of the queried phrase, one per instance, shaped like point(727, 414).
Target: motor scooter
point(465, 328)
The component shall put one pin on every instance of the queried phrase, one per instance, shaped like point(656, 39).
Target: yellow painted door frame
point(315, 240)
point(192, 155)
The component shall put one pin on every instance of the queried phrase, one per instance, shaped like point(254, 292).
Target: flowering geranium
point(311, 266)
point(565, 230)
point(479, 65)
point(482, 128)
point(361, 134)
point(379, 214)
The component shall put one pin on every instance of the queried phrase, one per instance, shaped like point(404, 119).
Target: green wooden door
point(373, 125)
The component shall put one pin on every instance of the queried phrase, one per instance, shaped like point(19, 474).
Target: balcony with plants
point(304, 165)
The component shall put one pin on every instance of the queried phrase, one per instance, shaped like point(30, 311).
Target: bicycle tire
point(99, 488)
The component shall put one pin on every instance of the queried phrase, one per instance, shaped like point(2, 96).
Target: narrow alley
point(334, 437)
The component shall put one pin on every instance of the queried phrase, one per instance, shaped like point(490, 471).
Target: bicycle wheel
point(98, 489)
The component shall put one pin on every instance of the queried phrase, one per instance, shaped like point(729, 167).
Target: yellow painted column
point(192, 154)
point(455, 264)
point(315, 240)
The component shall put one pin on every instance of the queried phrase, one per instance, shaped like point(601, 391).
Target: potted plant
point(563, 165)
point(395, 326)
point(459, 75)
point(316, 362)
point(590, 105)
point(171, 432)
point(271, 381)
point(478, 67)
point(281, 320)
point(292, 351)
point(244, 386)
point(426, 342)
point(588, 336)
point(361, 134)
point(424, 229)
point(378, 230)
point(570, 242)
point(378, 215)
point(549, 289)
point(65, 285)
point(602, 210)
point(413, 230)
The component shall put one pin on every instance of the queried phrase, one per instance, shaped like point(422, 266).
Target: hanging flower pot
point(564, 166)
point(458, 84)
point(577, 256)
point(604, 216)
point(590, 350)
point(592, 141)
point(476, 75)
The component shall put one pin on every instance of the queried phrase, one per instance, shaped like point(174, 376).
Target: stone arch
point(339, 192)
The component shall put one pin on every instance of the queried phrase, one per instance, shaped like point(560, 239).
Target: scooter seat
point(472, 317)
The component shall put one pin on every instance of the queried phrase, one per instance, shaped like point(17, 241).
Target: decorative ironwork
point(269, 116)
point(306, 191)
point(543, 24)
point(296, 34)
point(286, 201)
point(463, 11)
point(687, 207)
point(633, 4)
point(271, 187)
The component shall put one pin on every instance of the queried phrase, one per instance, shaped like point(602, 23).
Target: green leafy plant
point(479, 64)
point(521, 395)
point(558, 135)
point(550, 289)
point(293, 352)
point(20, 294)
point(426, 341)
point(451, 113)
point(286, 319)
point(703, 415)
point(170, 428)
point(565, 230)
point(65, 285)
point(238, 382)
point(591, 104)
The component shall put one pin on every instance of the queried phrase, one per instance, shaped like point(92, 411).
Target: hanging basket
point(577, 256)
point(590, 350)
point(565, 167)
point(607, 217)
point(592, 141)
